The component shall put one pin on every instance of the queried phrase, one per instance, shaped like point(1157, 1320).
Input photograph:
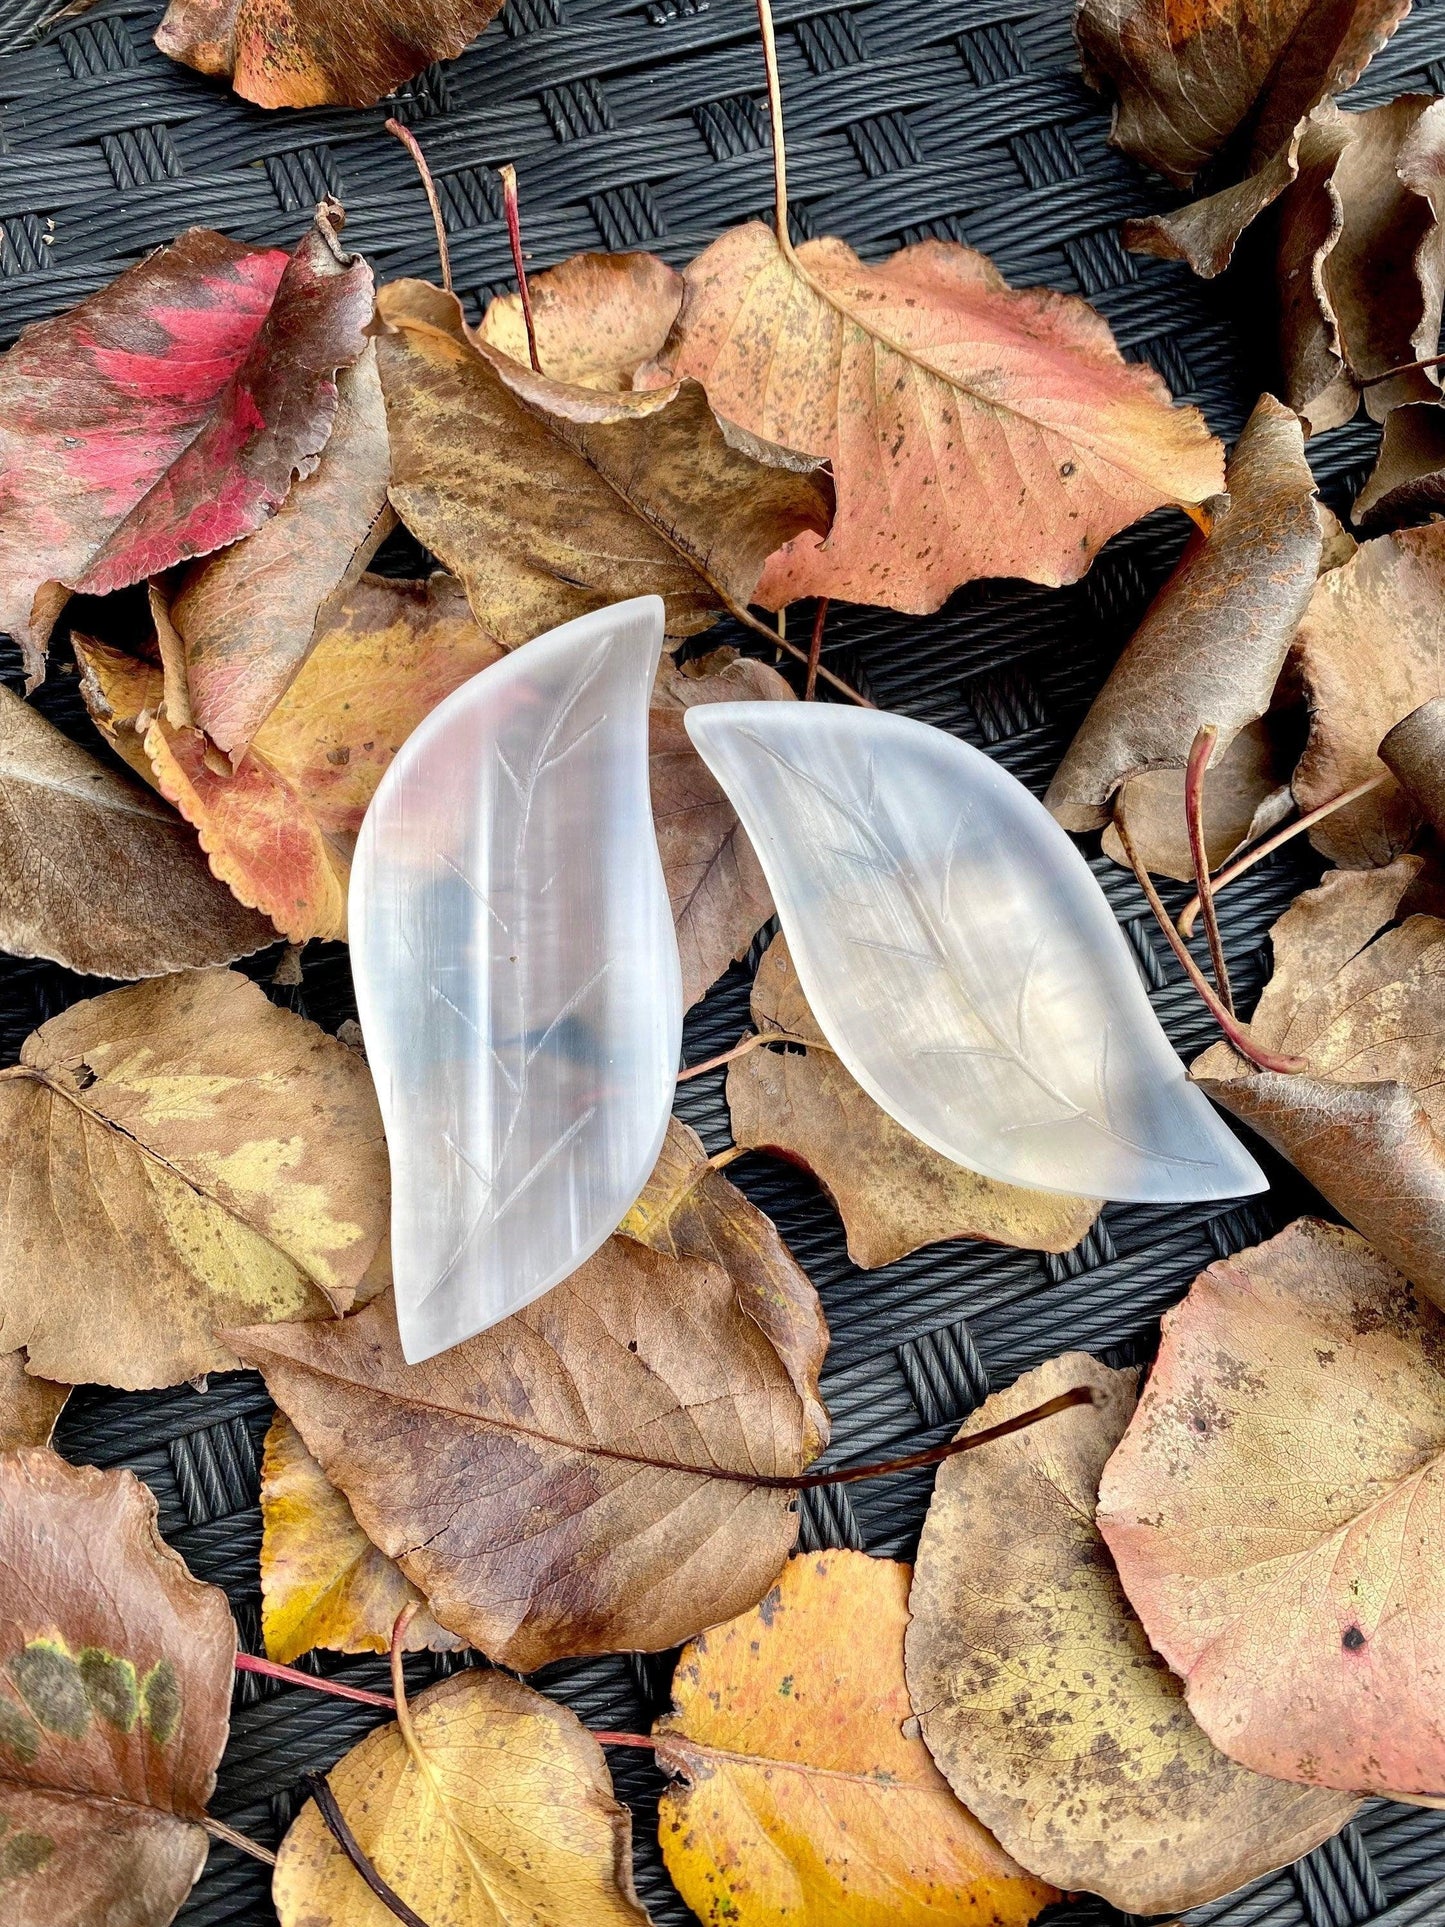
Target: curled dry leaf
point(720, 897)
point(550, 500)
point(115, 1696)
point(303, 53)
point(499, 1809)
point(1039, 1694)
point(182, 1154)
point(29, 1406)
point(99, 875)
point(800, 1795)
point(576, 1479)
point(974, 429)
point(598, 318)
point(1305, 1614)
point(1414, 753)
point(323, 1583)
point(1366, 1013)
point(1209, 650)
point(893, 1192)
point(280, 828)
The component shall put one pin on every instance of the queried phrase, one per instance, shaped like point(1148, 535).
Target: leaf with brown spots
point(1037, 1690)
point(29, 1406)
point(1277, 1512)
point(893, 1192)
point(180, 1154)
point(115, 1698)
point(798, 1793)
point(598, 318)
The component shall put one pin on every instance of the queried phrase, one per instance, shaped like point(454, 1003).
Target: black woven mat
point(639, 123)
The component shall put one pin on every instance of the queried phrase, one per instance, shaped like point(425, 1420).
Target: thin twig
point(1236, 1032)
point(623, 1739)
point(720, 1160)
point(242, 1842)
point(319, 1787)
point(514, 235)
point(780, 641)
point(1200, 752)
point(413, 147)
point(293, 1676)
point(1267, 847)
point(751, 1042)
point(1405, 368)
point(815, 649)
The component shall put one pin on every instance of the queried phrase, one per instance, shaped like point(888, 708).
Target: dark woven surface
point(641, 125)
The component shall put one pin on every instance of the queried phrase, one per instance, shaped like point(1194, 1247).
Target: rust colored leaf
point(598, 318)
point(29, 1406)
point(719, 895)
point(1277, 1512)
point(323, 1583)
point(549, 500)
point(96, 873)
point(799, 1794)
point(1209, 650)
point(1364, 1006)
point(304, 53)
point(1039, 1694)
point(893, 1193)
point(183, 1154)
point(575, 1479)
point(115, 1697)
point(974, 429)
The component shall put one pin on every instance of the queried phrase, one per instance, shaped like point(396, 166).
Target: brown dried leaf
point(598, 318)
point(549, 500)
point(1246, 794)
point(1037, 1690)
point(115, 1697)
point(183, 1154)
point(1414, 753)
point(893, 1192)
point(1277, 1511)
point(29, 1406)
point(1407, 483)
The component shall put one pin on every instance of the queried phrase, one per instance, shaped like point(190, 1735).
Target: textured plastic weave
point(641, 124)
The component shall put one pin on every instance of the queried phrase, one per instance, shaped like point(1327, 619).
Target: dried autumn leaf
point(303, 53)
point(580, 1477)
point(720, 897)
point(893, 1192)
point(183, 1154)
point(511, 1820)
point(115, 1697)
point(598, 318)
point(29, 1406)
point(281, 827)
point(550, 500)
point(1407, 483)
point(1039, 1694)
point(1414, 753)
point(1365, 1012)
point(1246, 794)
point(323, 1583)
point(799, 1795)
point(1209, 650)
point(974, 429)
point(1276, 1513)
point(98, 875)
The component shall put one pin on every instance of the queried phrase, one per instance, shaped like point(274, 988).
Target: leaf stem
point(882, 1468)
point(1236, 1032)
point(413, 147)
point(1199, 754)
point(319, 1787)
point(242, 1842)
point(1405, 368)
point(1258, 851)
point(623, 1739)
point(780, 641)
point(293, 1676)
point(750, 1042)
point(815, 649)
point(418, 1752)
point(775, 115)
point(514, 235)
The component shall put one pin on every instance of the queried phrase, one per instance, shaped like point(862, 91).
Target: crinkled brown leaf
point(1414, 753)
point(323, 1583)
point(1246, 794)
point(115, 1697)
point(1407, 482)
point(310, 53)
point(577, 1478)
point(1366, 1013)
point(181, 1154)
point(1039, 1695)
point(98, 874)
point(893, 1192)
point(720, 897)
point(598, 318)
point(1277, 1511)
point(549, 500)
point(29, 1406)
point(1209, 650)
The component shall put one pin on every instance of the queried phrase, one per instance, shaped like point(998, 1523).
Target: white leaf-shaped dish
point(517, 974)
point(960, 957)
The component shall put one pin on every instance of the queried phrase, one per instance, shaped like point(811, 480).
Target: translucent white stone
point(960, 957)
point(517, 973)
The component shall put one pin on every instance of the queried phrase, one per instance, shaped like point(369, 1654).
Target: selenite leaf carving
point(960, 957)
point(517, 973)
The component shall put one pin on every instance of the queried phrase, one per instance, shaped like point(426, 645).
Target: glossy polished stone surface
point(517, 973)
point(960, 957)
